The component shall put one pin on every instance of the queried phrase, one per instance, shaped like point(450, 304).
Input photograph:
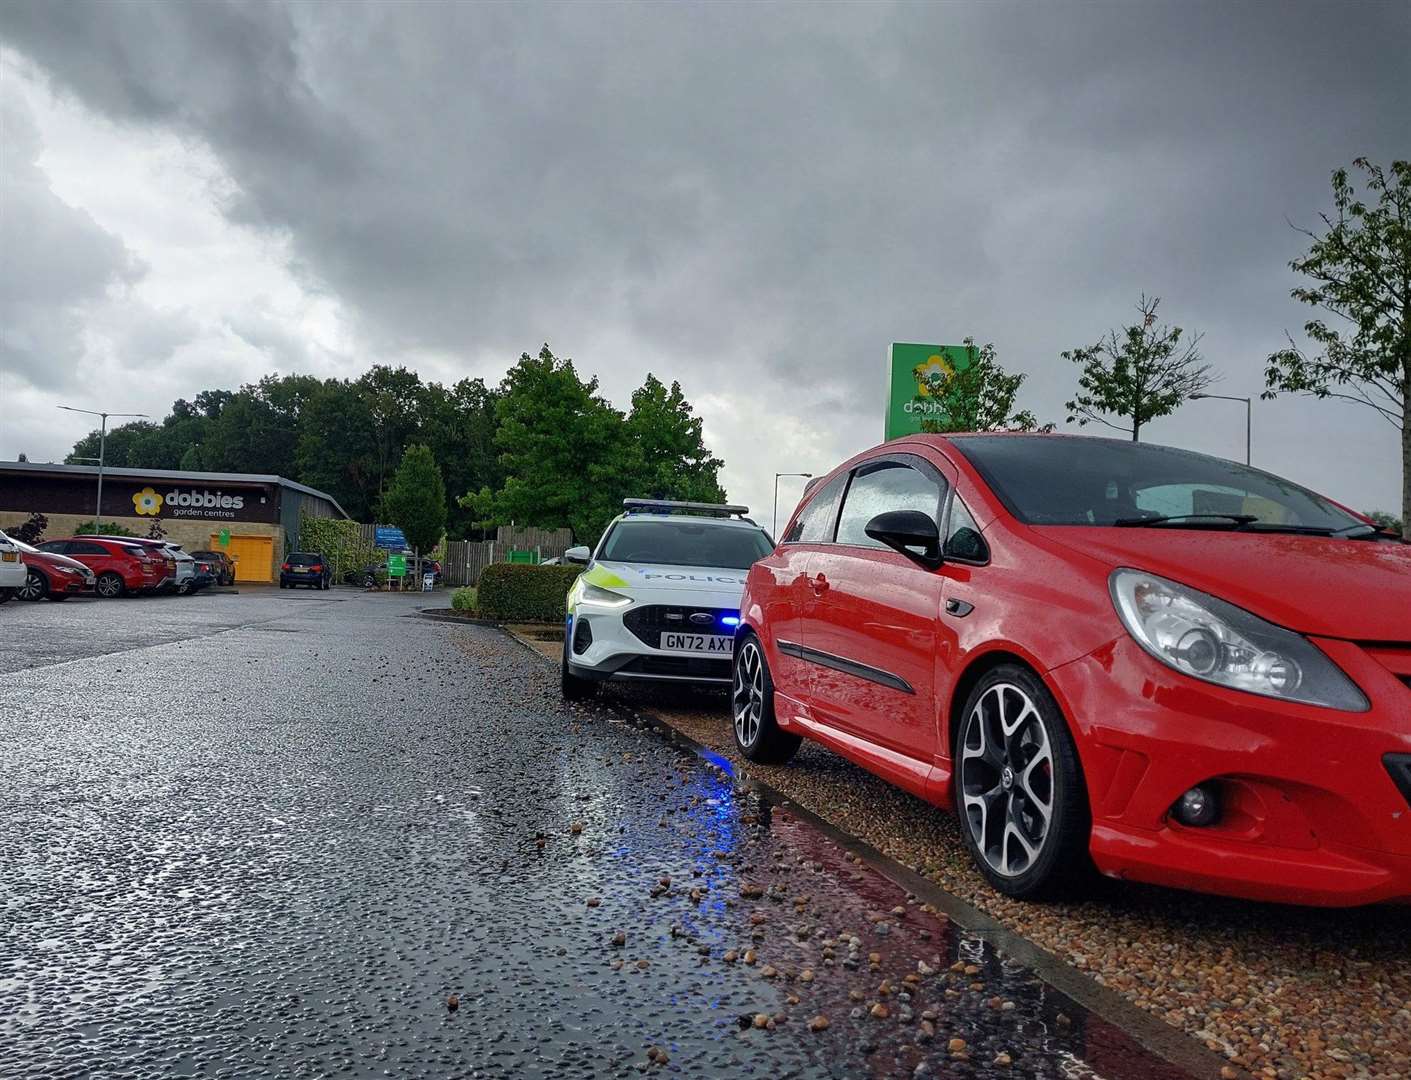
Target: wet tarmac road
point(272, 834)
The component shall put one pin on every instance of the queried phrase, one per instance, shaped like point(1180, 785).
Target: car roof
point(692, 519)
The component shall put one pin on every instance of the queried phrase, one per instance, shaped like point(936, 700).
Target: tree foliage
point(1390, 522)
point(416, 500)
point(542, 448)
point(1359, 272)
point(1139, 373)
point(978, 398)
point(569, 457)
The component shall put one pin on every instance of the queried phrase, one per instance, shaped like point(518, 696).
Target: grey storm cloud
point(56, 260)
point(779, 190)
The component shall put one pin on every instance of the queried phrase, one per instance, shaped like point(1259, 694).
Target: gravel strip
point(1280, 991)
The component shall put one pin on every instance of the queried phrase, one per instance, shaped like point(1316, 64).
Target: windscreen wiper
point(1238, 520)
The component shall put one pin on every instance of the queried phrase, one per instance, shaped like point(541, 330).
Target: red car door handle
point(820, 585)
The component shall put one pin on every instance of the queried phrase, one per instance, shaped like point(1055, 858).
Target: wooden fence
point(465, 559)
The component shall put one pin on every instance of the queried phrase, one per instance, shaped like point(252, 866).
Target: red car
point(119, 565)
point(1178, 669)
point(55, 577)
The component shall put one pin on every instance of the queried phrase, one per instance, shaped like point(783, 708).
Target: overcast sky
point(753, 200)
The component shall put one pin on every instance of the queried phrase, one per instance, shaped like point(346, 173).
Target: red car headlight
point(1207, 638)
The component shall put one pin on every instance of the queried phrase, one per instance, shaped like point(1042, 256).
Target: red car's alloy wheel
point(748, 699)
point(1006, 766)
point(34, 587)
point(109, 586)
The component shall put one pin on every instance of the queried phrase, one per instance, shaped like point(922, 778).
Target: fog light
point(1200, 806)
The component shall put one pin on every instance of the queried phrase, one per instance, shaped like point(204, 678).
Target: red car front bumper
point(1311, 813)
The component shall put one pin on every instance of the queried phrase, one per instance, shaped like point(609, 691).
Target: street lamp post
point(102, 447)
point(1248, 417)
point(775, 530)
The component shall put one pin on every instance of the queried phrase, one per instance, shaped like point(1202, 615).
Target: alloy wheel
point(1007, 779)
point(32, 589)
point(748, 698)
point(109, 586)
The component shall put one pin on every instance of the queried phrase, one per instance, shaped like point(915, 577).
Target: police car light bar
point(667, 505)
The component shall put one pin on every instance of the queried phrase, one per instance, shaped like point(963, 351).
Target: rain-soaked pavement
point(311, 834)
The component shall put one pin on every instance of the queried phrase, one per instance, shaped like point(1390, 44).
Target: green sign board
point(912, 374)
point(526, 556)
point(396, 566)
point(225, 538)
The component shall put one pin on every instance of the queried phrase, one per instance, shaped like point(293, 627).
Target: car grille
point(681, 667)
point(648, 621)
point(1399, 765)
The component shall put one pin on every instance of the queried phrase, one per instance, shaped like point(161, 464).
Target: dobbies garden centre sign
point(913, 374)
point(188, 502)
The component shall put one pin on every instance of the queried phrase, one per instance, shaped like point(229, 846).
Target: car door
point(869, 628)
point(97, 557)
point(787, 588)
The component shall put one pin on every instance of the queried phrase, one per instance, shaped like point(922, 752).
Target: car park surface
point(247, 871)
point(1089, 648)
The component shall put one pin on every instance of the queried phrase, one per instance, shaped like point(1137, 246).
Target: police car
point(660, 597)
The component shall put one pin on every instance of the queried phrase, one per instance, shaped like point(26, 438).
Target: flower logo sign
point(147, 501)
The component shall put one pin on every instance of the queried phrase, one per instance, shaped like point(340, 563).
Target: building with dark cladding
point(253, 518)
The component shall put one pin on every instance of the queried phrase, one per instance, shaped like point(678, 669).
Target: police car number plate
point(702, 643)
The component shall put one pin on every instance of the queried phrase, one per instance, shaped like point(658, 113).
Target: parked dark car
point(305, 568)
point(205, 574)
point(221, 566)
point(56, 577)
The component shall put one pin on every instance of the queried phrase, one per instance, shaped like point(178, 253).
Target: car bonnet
point(1354, 589)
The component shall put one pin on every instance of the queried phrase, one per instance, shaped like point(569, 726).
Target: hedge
point(513, 592)
point(339, 541)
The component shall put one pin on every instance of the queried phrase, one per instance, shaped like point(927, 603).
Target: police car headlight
point(600, 597)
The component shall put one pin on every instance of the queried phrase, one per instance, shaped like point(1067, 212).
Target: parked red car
point(1178, 669)
point(155, 549)
point(53, 577)
point(119, 565)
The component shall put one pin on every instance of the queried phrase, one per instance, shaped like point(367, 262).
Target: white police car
point(660, 598)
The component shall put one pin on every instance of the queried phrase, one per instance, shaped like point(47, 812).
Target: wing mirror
point(578, 554)
point(910, 532)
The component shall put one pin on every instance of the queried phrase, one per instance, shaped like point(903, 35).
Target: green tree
point(560, 451)
point(416, 500)
point(1359, 269)
point(1387, 521)
point(337, 450)
point(458, 424)
point(663, 449)
point(1140, 373)
point(978, 398)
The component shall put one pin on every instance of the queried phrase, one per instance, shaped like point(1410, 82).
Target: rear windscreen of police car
point(685, 543)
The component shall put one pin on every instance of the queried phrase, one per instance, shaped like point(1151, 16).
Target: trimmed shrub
point(511, 592)
point(463, 599)
point(101, 528)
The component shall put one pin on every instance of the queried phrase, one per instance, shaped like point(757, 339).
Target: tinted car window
point(963, 538)
point(814, 525)
point(1059, 480)
point(87, 547)
point(55, 547)
point(684, 543)
point(875, 489)
point(301, 558)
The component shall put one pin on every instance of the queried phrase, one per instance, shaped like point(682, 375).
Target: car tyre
point(5, 595)
point(1019, 790)
point(34, 587)
point(757, 731)
point(574, 687)
point(109, 586)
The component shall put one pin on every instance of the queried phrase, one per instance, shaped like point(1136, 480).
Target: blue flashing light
point(729, 620)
